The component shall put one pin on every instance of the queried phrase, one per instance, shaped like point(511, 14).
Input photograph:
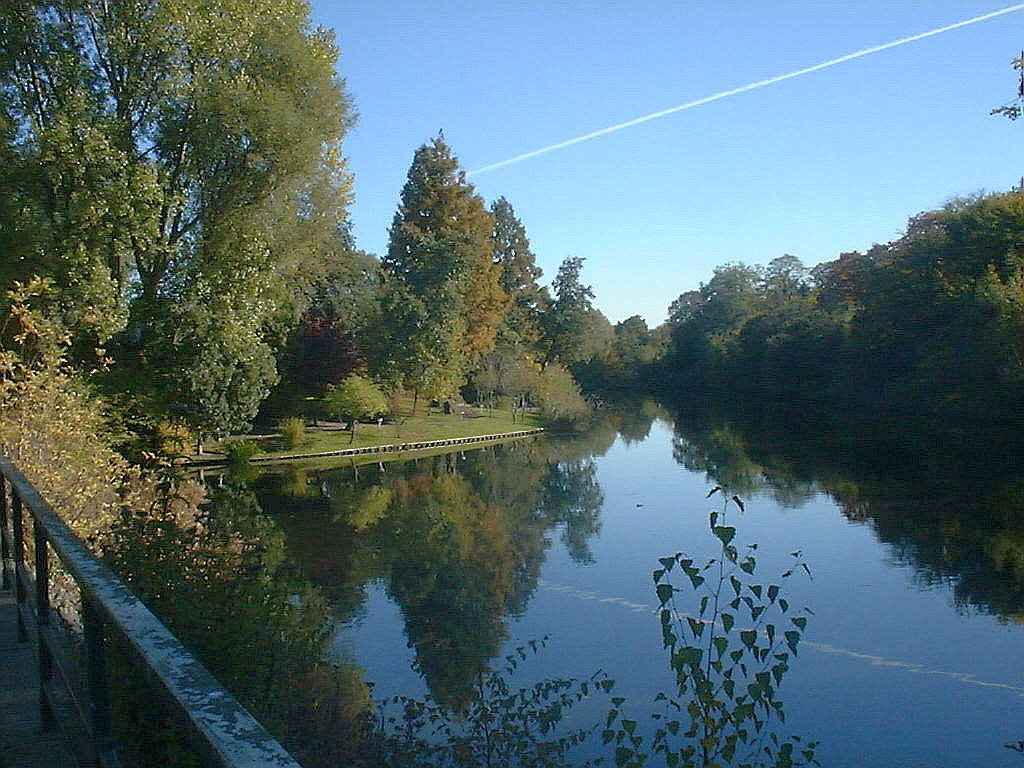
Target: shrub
point(173, 437)
point(293, 432)
point(240, 451)
point(561, 403)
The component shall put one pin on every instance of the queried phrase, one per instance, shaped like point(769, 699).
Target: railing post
point(4, 547)
point(42, 548)
point(96, 671)
point(19, 562)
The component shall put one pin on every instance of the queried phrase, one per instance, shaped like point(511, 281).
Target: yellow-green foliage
point(52, 427)
point(173, 437)
point(293, 432)
point(560, 398)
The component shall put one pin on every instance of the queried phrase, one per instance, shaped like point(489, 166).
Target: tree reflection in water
point(949, 503)
point(459, 541)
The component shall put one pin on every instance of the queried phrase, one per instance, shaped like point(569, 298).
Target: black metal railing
point(220, 727)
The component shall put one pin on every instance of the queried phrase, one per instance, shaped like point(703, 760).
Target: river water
point(436, 568)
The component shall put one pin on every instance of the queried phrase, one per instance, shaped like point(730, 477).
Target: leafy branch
point(501, 726)
point(728, 659)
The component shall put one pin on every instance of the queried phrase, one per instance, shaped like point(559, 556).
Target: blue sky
point(831, 161)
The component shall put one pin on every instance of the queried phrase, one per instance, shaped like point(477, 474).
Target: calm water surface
point(435, 568)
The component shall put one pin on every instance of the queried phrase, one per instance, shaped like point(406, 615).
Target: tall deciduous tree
point(163, 150)
point(441, 302)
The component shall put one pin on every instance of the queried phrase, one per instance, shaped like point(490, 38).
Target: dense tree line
point(932, 321)
point(172, 173)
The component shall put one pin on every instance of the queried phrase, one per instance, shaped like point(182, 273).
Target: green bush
point(293, 432)
point(240, 451)
point(561, 403)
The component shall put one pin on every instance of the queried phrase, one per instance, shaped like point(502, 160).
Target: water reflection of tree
point(948, 503)
point(573, 497)
point(458, 539)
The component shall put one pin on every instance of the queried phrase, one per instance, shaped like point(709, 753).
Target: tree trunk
point(352, 429)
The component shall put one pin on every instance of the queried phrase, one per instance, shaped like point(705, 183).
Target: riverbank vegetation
point(931, 322)
point(193, 253)
point(182, 203)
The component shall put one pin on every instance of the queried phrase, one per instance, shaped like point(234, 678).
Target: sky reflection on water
point(912, 656)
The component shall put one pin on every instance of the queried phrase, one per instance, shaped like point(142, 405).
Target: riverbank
point(467, 425)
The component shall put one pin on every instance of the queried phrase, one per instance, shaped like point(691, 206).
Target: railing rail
point(220, 726)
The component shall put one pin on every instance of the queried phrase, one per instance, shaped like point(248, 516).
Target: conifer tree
point(565, 324)
point(519, 274)
point(441, 301)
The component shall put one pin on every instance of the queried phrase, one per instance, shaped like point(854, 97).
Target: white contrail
point(745, 88)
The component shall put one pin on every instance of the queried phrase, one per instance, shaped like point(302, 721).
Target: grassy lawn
point(464, 421)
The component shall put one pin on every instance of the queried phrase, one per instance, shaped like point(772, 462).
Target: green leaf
point(690, 655)
point(721, 644)
point(713, 491)
point(725, 533)
point(792, 638)
point(739, 503)
point(749, 637)
point(800, 622)
point(727, 622)
point(665, 592)
point(773, 592)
